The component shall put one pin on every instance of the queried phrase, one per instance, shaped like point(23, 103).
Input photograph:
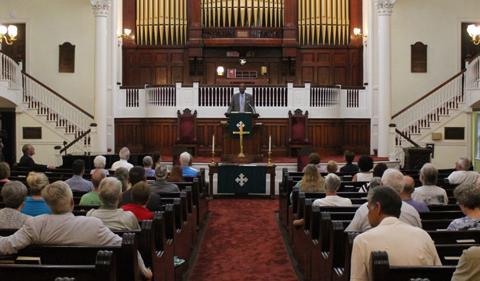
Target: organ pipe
point(242, 13)
point(162, 22)
point(323, 22)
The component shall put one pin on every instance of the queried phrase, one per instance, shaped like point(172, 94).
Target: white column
point(384, 9)
point(101, 8)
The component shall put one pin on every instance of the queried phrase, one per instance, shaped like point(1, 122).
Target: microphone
point(253, 109)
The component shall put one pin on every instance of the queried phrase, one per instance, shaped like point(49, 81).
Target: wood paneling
point(328, 136)
point(153, 66)
point(331, 66)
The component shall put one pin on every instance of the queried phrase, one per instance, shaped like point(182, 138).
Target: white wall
point(50, 23)
point(448, 151)
point(44, 148)
point(436, 23)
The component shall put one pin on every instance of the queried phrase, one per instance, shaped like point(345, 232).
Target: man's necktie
point(242, 102)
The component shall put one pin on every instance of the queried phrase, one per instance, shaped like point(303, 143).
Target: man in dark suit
point(26, 161)
point(241, 102)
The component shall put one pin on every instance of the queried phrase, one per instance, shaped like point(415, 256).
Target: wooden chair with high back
point(297, 129)
point(187, 130)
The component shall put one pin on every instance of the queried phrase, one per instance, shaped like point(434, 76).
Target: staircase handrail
point(58, 95)
point(67, 146)
point(407, 138)
point(429, 93)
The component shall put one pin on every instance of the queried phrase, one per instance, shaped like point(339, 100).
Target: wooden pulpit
point(242, 138)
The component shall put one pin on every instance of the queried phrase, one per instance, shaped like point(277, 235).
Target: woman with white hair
point(124, 155)
point(185, 162)
point(147, 165)
point(429, 192)
point(332, 184)
point(110, 193)
point(99, 163)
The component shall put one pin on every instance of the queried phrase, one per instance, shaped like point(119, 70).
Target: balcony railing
point(270, 101)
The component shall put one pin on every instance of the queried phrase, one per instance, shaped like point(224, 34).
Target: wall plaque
point(419, 57)
point(32, 133)
point(66, 61)
point(454, 133)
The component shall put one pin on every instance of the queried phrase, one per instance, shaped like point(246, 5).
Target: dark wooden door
point(7, 134)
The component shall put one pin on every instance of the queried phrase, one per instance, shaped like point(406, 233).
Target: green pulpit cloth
point(241, 179)
point(236, 118)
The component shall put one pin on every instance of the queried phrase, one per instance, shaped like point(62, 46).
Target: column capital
point(385, 7)
point(101, 7)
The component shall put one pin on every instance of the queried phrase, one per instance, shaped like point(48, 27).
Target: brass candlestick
point(213, 159)
point(269, 163)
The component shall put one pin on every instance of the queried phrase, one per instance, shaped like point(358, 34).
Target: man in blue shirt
point(185, 162)
point(77, 182)
point(406, 195)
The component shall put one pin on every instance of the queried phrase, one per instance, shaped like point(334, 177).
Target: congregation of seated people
point(392, 214)
point(42, 213)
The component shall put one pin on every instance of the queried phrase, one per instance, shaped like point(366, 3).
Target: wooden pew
point(188, 223)
point(435, 215)
point(383, 271)
point(455, 237)
point(125, 256)
point(103, 269)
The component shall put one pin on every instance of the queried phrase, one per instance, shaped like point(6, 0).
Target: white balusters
point(472, 74)
point(324, 97)
point(213, 96)
point(353, 98)
point(10, 71)
point(269, 96)
point(132, 98)
point(213, 101)
point(54, 107)
point(431, 108)
point(162, 96)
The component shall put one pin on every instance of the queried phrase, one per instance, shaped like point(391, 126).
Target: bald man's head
point(97, 177)
point(409, 184)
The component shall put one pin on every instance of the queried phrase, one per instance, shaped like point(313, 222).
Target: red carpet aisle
point(242, 242)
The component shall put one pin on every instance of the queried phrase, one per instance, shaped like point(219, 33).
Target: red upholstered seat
point(186, 130)
point(298, 130)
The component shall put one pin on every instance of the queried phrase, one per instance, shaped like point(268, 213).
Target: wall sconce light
point(243, 61)
point(220, 70)
point(474, 32)
point(263, 70)
point(8, 34)
point(126, 35)
point(357, 32)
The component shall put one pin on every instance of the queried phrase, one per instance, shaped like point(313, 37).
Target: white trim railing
point(10, 71)
point(270, 101)
point(431, 107)
point(472, 74)
point(57, 109)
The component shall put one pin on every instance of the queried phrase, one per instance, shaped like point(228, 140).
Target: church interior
point(251, 139)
